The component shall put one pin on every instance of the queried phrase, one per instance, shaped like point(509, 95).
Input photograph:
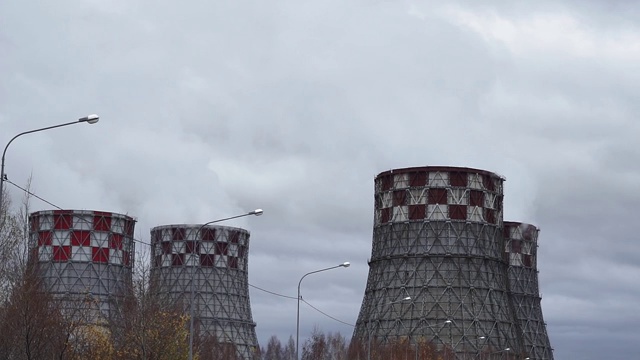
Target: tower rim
point(439, 168)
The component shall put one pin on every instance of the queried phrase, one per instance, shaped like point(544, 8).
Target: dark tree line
point(333, 346)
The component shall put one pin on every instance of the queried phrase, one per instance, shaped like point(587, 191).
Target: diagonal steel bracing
point(437, 239)
point(212, 266)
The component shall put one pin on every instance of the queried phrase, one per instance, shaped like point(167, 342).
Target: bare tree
point(274, 349)
point(289, 352)
point(398, 349)
point(337, 346)
point(210, 348)
point(148, 327)
point(32, 326)
point(92, 342)
point(14, 232)
point(315, 348)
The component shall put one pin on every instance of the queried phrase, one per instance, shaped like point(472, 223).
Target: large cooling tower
point(521, 245)
point(437, 238)
point(211, 265)
point(84, 257)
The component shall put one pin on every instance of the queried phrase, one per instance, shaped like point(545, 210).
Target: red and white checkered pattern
point(438, 193)
point(185, 245)
point(521, 244)
point(82, 236)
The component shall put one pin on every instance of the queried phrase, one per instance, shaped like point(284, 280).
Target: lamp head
point(91, 119)
point(256, 212)
point(345, 264)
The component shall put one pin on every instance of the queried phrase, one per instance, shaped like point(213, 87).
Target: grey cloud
point(214, 109)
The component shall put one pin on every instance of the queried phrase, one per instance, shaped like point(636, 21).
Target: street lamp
point(369, 326)
point(450, 323)
point(446, 322)
point(256, 212)
point(478, 347)
point(403, 299)
point(500, 351)
point(90, 119)
point(345, 265)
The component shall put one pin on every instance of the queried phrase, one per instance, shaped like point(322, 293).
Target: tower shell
point(521, 247)
point(437, 238)
point(210, 265)
point(84, 258)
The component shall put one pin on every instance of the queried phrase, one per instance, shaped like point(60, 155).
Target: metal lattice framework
point(84, 258)
point(521, 246)
point(211, 264)
point(437, 239)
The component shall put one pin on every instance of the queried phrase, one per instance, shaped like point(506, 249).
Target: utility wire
point(325, 314)
point(32, 194)
point(58, 207)
point(304, 301)
point(273, 293)
point(142, 242)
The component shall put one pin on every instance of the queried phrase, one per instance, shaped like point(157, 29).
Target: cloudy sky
point(216, 108)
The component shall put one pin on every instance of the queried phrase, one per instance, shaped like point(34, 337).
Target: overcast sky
point(216, 108)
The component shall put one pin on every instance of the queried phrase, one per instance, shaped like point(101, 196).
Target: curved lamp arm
point(345, 265)
point(256, 212)
point(90, 119)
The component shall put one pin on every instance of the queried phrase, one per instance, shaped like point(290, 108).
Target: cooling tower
point(521, 246)
point(437, 238)
point(210, 266)
point(85, 258)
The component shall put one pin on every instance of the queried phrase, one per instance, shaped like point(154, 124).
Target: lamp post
point(450, 323)
point(369, 326)
point(482, 338)
point(90, 119)
point(446, 322)
point(256, 212)
point(345, 265)
point(500, 351)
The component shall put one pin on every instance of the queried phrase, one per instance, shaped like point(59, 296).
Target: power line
point(145, 243)
point(304, 301)
point(274, 293)
point(325, 314)
point(32, 194)
point(58, 207)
